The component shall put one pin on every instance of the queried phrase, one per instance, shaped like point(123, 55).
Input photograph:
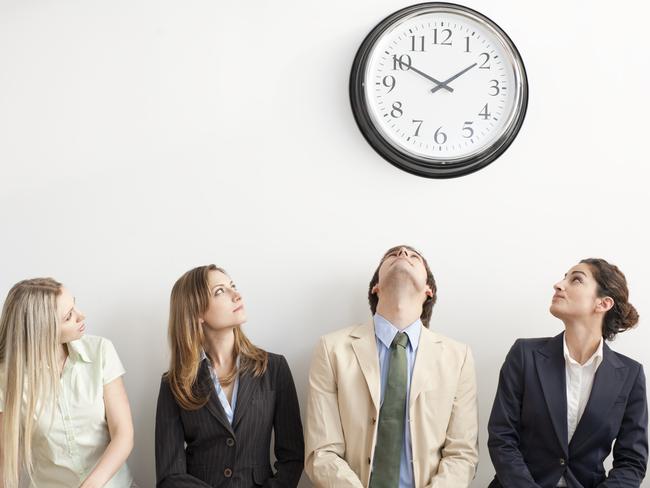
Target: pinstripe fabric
point(200, 449)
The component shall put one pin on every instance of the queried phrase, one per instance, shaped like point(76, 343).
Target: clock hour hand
point(449, 80)
point(430, 78)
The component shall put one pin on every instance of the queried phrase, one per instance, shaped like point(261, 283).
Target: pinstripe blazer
point(200, 449)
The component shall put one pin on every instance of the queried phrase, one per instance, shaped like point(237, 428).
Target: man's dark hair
point(427, 305)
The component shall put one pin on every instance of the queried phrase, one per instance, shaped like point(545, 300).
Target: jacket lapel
point(244, 393)
point(364, 346)
point(213, 405)
point(608, 381)
point(549, 362)
point(426, 363)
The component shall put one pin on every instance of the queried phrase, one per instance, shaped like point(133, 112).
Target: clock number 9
point(495, 87)
point(403, 65)
point(397, 111)
point(389, 82)
point(440, 137)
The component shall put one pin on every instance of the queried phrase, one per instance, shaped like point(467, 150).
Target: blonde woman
point(65, 415)
point(223, 397)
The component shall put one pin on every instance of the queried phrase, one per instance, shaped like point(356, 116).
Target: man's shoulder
point(343, 336)
point(447, 342)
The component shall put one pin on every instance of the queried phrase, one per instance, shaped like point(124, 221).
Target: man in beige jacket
point(391, 403)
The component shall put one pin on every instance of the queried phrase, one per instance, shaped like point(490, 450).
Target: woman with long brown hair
point(223, 396)
point(65, 419)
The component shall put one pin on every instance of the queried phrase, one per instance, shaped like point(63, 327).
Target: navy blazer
point(200, 449)
point(528, 432)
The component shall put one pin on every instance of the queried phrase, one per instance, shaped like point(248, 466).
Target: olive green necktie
point(390, 430)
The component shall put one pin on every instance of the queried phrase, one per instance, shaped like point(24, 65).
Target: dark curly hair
point(612, 283)
point(427, 305)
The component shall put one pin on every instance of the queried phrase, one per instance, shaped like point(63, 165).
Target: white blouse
point(68, 444)
point(579, 382)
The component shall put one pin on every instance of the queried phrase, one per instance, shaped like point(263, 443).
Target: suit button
point(368, 460)
point(562, 462)
point(227, 472)
point(230, 442)
point(373, 421)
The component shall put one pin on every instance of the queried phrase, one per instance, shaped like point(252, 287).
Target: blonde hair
point(28, 346)
point(189, 300)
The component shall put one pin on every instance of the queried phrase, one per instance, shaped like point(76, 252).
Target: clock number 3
point(494, 86)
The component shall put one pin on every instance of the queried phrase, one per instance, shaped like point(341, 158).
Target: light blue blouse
point(223, 399)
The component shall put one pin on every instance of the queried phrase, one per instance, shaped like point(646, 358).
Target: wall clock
point(438, 90)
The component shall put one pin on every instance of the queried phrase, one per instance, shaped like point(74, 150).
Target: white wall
point(141, 138)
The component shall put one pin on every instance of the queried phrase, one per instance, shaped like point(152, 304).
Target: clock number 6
point(440, 137)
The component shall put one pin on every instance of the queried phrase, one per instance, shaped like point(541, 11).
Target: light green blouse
point(68, 444)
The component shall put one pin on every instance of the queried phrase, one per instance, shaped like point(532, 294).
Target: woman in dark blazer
point(562, 401)
point(222, 396)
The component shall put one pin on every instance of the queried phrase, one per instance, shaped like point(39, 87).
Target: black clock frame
point(407, 162)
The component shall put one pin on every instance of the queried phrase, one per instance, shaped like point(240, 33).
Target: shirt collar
point(386, 332)
point(77, 350)
point(596, 357)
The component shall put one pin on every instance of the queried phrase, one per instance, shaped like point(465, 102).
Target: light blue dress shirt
point(384, 334)
point(223, 399)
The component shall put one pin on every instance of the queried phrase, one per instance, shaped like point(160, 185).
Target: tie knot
point(401, 339)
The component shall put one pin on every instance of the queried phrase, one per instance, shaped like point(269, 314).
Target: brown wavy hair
point(189, 300)
point(612, 283)
point(429, 302)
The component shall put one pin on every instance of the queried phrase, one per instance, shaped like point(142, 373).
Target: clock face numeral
point(417, 43)
point(417, 129)
point(494, 85)
point(389, 82)
point(486, 60)
point(484, 112)
point(443, 39)
point(439, 136)
point(467, 130)
point(397, 111)
point(402, 62)
point(436, 84)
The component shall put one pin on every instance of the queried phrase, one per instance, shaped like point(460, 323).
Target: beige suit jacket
point(343, 408)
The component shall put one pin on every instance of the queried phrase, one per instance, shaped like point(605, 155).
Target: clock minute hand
point(449, 80)
point(430, 78)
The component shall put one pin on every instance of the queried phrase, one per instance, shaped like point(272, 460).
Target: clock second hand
point(440, 84)
point(449, 80)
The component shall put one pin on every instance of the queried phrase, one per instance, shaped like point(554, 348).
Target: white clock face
point(444, 84)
